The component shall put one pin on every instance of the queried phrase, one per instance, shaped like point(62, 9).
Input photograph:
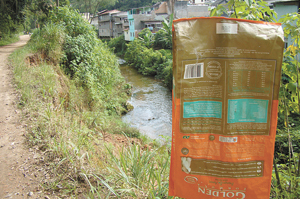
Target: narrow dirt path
point(15, 159)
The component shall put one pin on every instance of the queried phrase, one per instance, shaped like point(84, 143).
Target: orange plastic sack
point(225, 97)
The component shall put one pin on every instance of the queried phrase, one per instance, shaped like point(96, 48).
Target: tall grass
point(140, 173)
point(9, 39)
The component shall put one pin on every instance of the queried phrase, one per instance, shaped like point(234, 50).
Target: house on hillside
point(136, 16)
point(187, 9)
point(161, 10)
point(114, 23)
point(94, 22)
point(130, 34)
point(184, 9)
point(86, 16)
point(106, 23)
point(145, 17)
point(119, 23)
point(282, 7)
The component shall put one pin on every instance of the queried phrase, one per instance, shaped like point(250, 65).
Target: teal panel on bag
point(202, 109)
point(247, 110)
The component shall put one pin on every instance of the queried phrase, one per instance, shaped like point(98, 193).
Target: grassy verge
point(89, 152)
point(8, 40)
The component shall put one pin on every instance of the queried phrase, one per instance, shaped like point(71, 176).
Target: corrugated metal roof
point(110, 12)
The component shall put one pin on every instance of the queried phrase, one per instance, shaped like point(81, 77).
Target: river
point(152, 102)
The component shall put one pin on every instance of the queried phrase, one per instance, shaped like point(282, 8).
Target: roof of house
point(217, 2)
point(108, 12)
point(102, 11)
point(120, 14)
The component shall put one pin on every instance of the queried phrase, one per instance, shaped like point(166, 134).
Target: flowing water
point(152, 113)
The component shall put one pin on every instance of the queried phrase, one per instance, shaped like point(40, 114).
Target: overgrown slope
point(71, 96)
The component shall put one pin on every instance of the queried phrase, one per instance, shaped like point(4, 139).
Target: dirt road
point(15, 159)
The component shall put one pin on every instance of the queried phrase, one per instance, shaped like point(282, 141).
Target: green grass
point(9, 40)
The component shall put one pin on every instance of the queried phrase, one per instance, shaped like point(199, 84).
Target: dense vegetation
point(285, 181)
point(93, 6)
point(73, 115)
point(150, 55)
point(11, 19)
point(125, 5)
point(69, 40)
point(73, 94)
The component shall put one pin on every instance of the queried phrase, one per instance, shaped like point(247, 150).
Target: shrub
point(149, 61)
point(87, 60)
point(49, 41)
point(160, 40)
point(146, 37)
point(118, 45)
point(168, 74)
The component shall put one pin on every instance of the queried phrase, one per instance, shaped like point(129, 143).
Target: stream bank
point(152, 102)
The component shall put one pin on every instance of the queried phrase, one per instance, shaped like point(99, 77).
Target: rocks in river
point(128, 107)
point(121, 61)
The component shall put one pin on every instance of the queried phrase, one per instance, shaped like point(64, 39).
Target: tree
point(146, 37)
point(163, 38)
point(125, 5)
point(11, 16)
point(91, 6)
point(246, 9)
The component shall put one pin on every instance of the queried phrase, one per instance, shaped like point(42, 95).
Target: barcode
point(228, 139)
point(193, 71)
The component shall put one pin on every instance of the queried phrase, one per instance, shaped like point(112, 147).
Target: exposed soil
point(17, 177)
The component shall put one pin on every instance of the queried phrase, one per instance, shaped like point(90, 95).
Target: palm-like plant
point(167, 28)
point(146, 37)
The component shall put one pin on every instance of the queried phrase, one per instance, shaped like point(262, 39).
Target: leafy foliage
point(11, 17)
point(146, 37)
point(118, 45)
point(140, 54)
point(163, 38)
point(91, 6)
point(125, 5)
point(84, 58)
point(246, 9)
point(159, 40)
point(149, 61)
point(48, 41)
point(289, 106)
